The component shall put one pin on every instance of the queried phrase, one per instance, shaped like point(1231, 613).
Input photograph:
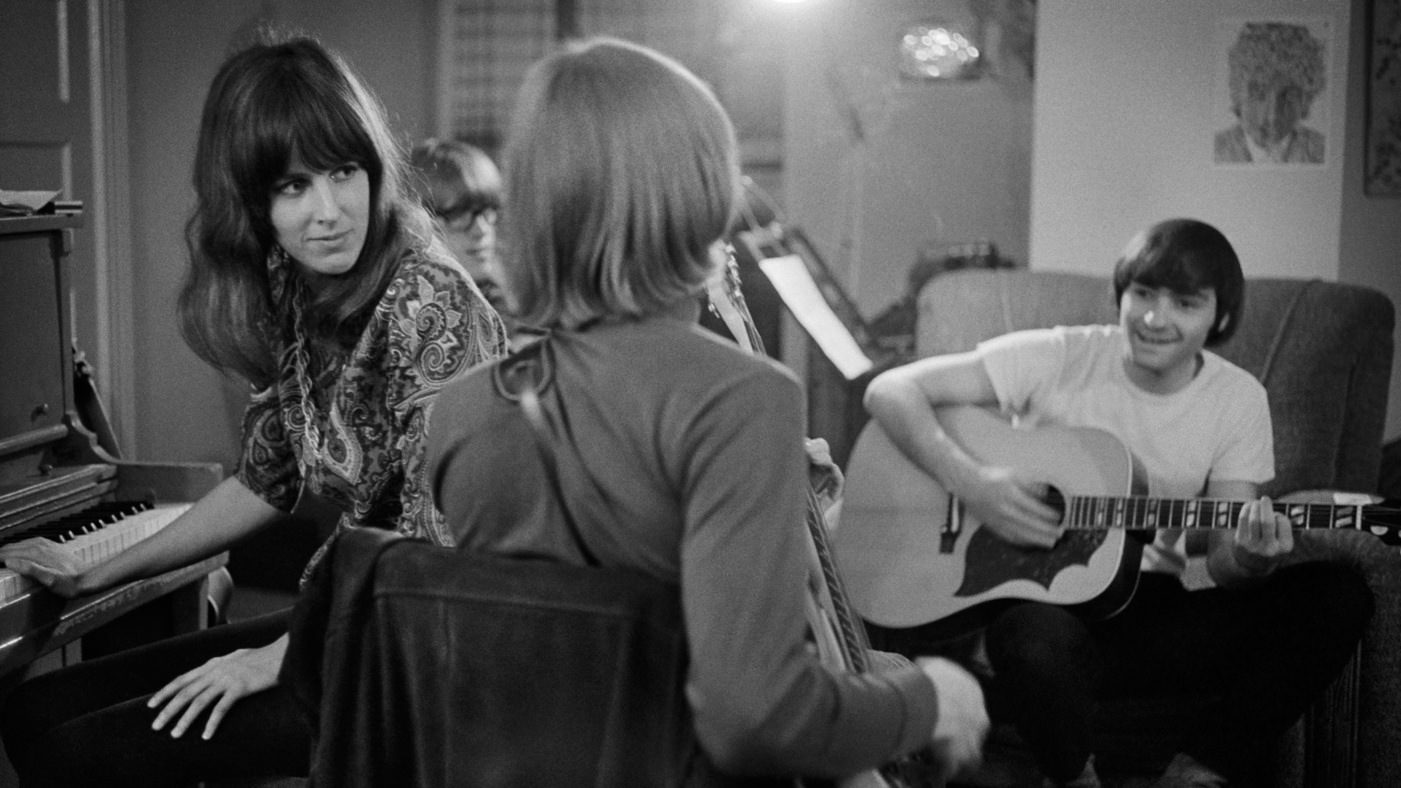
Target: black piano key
point(93, 518)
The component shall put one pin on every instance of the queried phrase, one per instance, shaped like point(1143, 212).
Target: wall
point(1124, 122)
point(1126, 106)
point(183, 409)
point(932, 164)
point(1370, 243)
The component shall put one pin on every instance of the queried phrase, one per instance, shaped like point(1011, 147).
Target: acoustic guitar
point(911, 556)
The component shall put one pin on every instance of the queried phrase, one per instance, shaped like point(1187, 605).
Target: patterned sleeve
point(267, 465)
point(440, 326)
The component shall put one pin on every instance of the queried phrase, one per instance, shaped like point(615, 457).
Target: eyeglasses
point(465, 220)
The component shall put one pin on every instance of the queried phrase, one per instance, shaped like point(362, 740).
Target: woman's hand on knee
point(219, 683)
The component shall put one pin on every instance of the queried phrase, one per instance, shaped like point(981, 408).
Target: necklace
point(339, 452)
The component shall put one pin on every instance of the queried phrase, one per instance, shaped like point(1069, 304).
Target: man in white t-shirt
point(1266, 638)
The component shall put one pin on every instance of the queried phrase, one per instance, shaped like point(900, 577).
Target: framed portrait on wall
point(1274, 92)
point(1383, 168)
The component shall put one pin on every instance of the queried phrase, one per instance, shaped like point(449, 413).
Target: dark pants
point(88, 724)
point(1264, 652)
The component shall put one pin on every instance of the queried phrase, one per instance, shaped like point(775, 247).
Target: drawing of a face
point(1270, 111)
point(1276, 70)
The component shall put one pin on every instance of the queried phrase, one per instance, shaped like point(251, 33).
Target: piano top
point(14, 225)
point(63, 490)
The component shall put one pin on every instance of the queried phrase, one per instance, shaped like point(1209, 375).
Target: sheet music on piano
point(53, 473)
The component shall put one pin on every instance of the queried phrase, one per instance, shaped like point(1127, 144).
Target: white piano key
point(99, 545)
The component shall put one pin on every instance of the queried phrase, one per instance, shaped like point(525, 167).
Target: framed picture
point(1275, 90)
point(1382, 176)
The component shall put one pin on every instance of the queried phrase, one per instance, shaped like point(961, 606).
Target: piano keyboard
point(93, 535)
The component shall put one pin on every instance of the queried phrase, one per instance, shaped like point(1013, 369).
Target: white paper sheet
point(795, 285)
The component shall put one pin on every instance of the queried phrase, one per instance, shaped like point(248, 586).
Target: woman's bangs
point(328, 134)
point(306, 125)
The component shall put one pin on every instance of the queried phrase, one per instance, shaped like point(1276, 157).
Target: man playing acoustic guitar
point(1264, 640)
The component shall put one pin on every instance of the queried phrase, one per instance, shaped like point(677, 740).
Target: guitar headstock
point(727, 301)
point(1383, 520)
point(730, 281)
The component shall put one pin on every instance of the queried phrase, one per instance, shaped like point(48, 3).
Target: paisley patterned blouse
point(358, 440)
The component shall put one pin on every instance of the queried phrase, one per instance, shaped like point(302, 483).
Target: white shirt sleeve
point(1245, 451)
point(1022, 365)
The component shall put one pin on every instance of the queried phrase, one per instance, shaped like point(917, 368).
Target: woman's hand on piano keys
point(47, 563)
point(220, 681)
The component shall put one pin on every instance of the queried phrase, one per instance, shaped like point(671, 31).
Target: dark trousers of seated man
point(1265, 651)
point(89, 725)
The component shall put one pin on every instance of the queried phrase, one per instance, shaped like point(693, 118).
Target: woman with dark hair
point(316, 275)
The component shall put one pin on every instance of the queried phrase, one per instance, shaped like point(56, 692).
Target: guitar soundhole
point(1056, 501)
point(990, 562)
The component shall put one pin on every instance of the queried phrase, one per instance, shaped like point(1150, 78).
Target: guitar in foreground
point(838, 635)
point(911, 556)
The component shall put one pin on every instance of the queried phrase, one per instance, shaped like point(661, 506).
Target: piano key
point(97, 545)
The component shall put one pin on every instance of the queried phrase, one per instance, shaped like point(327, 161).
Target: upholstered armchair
point(1323, 351)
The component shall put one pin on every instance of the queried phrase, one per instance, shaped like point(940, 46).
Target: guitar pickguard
point(992, 561)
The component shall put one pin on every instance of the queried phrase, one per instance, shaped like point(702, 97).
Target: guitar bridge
point(952, 527)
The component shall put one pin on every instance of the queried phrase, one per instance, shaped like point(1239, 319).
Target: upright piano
point(57, 481)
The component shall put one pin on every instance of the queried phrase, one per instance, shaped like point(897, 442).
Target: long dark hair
point(270, 102)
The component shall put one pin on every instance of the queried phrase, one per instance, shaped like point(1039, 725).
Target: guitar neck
point(727, 298)
point(1146, 514)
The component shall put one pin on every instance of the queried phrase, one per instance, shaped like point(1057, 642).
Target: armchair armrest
point(1365, 700)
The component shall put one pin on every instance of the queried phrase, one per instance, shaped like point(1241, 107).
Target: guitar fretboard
point(1143, 513)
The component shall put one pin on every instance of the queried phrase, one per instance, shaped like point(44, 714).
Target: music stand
point(813, 296)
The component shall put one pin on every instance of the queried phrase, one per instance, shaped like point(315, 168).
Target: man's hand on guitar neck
point(1011, 507)
point(1254, 548)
